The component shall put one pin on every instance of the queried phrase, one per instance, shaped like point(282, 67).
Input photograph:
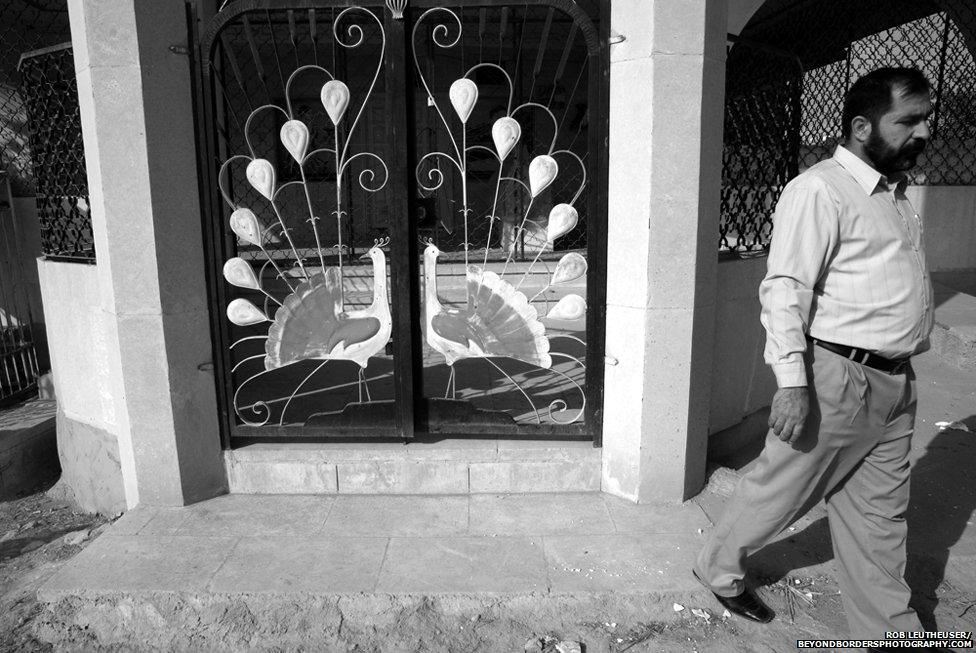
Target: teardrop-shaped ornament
point(245, 224)
point(243, 313)
point(570, 307)
point(570, 267)
point(464, 95)
point(562, 220)
point(294, 136)
point(335, 99)
point(261, 174)
point(506, 133)
point(239, 272)
point(542, 171)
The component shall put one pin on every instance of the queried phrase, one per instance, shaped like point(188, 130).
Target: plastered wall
point(87, 425)
point(741, 382)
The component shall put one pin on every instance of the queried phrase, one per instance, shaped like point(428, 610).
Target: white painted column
point(137, 123)
point(666, 110)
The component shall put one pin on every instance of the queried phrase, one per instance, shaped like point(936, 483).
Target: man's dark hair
point(871, 95)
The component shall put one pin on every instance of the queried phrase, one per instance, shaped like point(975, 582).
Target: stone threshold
point(453, 466)
point(374, 573)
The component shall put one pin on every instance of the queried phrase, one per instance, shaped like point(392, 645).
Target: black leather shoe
point(747, 605)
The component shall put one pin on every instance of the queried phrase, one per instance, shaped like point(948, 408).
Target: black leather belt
point(865, 357)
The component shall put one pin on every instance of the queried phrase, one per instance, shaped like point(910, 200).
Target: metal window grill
point(786, 76)
point(25, 25)
point(58, 154)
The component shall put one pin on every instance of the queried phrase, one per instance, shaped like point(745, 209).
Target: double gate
point(406, 214)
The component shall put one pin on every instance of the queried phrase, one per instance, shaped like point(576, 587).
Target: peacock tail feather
point(499, 321)
point(310, 323)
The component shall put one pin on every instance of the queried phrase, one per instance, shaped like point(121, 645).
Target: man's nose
point(922, 131)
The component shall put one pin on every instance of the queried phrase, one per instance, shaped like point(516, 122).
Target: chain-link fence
point(778, 124)
point(58, 154)
point(25, 25)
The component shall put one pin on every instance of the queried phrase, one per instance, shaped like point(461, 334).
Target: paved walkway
point(243, 571)
point(395, 544)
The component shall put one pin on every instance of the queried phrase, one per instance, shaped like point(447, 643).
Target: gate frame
point(405, 271)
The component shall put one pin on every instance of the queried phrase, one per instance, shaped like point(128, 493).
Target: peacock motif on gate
point(302, 294)
point(497, 320)
point(312, 321)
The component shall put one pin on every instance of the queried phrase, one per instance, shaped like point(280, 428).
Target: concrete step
point(451, 466)
point(954, 333)
point(28, 446)
point(383, 573)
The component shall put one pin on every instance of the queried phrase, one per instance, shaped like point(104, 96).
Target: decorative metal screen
point(406, 214)
point(25, 26)
point(50, 95)
point(771, 133)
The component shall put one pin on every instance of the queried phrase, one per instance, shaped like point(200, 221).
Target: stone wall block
point(623, 397)
point(90, 468)
point(281, 477)
point(633, 19)
point(403, 477)
point(101, 33)
point(678, 27)
point(628, 225)
point(535, 477)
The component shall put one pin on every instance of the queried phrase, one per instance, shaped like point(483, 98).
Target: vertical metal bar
point(941, 80)
point(274, 47)
point(561, 68)
point(405, 264)
point(313, 32)
point(596, 242)
point(293, 36)
point(228, 56)
point(256, 56)
point(543, 46)
point(204, 111)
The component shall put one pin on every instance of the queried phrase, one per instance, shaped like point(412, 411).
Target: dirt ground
point(38, 534)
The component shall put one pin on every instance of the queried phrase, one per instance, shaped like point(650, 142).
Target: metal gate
point(406, 215)
point(18, 359)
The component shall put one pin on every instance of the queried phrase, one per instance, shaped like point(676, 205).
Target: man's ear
point(861, 129)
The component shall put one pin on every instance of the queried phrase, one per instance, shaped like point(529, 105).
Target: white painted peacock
point(497, 320)
point(312, 320)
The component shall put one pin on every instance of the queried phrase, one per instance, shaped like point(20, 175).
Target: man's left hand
point(789, 412)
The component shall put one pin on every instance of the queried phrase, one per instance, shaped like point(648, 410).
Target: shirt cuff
point(790, 375)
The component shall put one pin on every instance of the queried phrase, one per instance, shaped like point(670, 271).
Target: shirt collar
point(866, 176)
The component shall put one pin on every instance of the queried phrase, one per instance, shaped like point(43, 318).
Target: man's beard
point(888, 159)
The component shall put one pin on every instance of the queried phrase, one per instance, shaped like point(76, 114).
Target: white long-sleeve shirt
point(846, 265)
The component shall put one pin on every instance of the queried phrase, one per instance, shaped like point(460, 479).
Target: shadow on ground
point(941, 509)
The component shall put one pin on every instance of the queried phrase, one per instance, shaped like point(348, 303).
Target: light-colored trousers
point(854, 453)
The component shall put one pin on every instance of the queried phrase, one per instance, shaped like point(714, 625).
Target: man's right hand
point(789, 412)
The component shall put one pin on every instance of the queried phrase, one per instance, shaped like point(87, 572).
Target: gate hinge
point(179, 49)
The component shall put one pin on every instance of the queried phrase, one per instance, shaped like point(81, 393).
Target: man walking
point(846, 302)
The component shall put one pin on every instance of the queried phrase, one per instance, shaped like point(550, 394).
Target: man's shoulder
point(823, 175)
